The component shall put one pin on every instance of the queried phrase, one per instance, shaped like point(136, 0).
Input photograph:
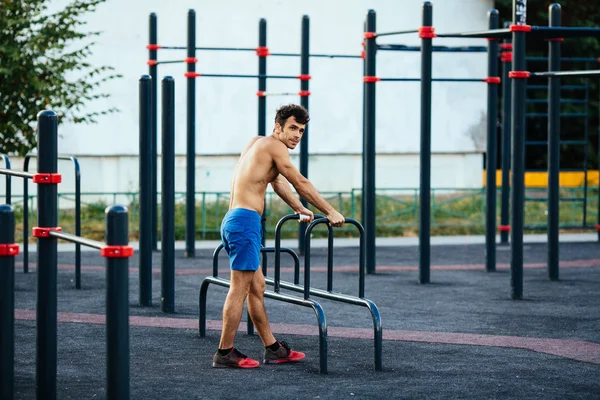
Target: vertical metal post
point(585, 147)
point(364, 129)
point(553, 147)
point(7, 303)
point(46, 350)
point(369, 197)
point(506, 133)
point(25, 220)
point(190, 201)
point(262, 130)
point(152, 56)
point(304, 86)
point(77, 224)
point(491, 190)
point(145, 219)
point(425, 178)
point(7, 178)
point(262, 81)
point(168, 196)
point(117, 306)
point(519, 86)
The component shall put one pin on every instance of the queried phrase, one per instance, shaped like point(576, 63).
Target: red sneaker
point(282, 355)
point(233, 359)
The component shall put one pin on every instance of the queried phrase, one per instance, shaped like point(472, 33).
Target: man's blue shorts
point(241, 233)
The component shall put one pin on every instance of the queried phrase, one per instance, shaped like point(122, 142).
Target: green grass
point(453, 212)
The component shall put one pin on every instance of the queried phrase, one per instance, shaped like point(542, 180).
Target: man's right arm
point(303, 186)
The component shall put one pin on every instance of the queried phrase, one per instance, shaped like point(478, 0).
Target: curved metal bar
point(291, 253)
point(320, 314)
point(8, 183)
point(309, 230)
point(216, 260)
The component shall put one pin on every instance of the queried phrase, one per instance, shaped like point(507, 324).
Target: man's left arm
point(282, 187)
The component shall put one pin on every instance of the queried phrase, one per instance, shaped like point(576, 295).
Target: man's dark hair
point(292, 110)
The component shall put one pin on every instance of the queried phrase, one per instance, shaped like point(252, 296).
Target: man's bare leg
point(234, 306)
point(256, 308)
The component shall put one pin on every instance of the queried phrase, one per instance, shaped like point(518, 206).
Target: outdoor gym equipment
point(115, 250)
point(426, 33)
point(518, 31)
point(262, 52)
point(306, 288)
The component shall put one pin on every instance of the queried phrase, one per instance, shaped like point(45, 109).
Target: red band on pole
point(153, 47)
point(304, 77)
point(427, 32)
point(556, 40)
point(506, 46)
point(370, 35)
point(261, 93)
point(519, 74)
point(191, 74)
point(262, 51)
point(492, 79)
point(490, 39)
point(44, 232)
point(504, 228)
point(152, 63)
point(47, 179)
point(371, 79)
point(304, 93)
point(191, 60)
point(506, 57)
point(598, 227)
point(363, 55)
point(9, 250)
point(520, 28)
point(116, 251)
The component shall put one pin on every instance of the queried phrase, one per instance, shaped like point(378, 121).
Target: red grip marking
point(504, 228)
point(116, 251)
point(492, 79)
point(9, 250)
point(304, 93)
point(519, 74)
point(427, 32)
point(44, 232)
point(191, 74)
point(48, 179)
point(520, 28)
point(153, 47)
point(370, 35)
point(371, 79)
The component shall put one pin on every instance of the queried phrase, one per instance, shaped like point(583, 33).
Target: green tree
point(43, 65)
point(579, 13)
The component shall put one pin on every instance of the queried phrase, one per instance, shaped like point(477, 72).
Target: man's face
point(291, 133)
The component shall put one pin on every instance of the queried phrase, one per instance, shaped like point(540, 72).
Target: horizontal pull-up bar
point(494, 80)
point(371, 35)
point(551, 74)
point(94, 244)
point(20, 174)
point(197, 75)
point(567, 59)
point(401, 47)
point(261, 51)
point(563, 87)
point(541, 32)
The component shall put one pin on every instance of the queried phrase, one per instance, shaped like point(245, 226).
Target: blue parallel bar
point(315, 55)
point(248, 76)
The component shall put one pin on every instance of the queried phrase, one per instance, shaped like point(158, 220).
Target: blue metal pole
point(425, 177)
point(506, 142)
point(190, 202)
point(553, 148)
point(145, 216)
point(154, 126)
point(492, 147)
point(304, 86)
point(519, 88)
point(7, 301)
point(168, 196)
point(46, 318)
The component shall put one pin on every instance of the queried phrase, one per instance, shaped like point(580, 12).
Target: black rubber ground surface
point(175, 363)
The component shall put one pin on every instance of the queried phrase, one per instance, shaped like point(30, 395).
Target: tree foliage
point(43, 65)
point(574, 13)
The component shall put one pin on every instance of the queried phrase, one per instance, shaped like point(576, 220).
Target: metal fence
point(453, 211)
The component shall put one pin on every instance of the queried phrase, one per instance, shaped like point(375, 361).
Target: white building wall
point(227, 108)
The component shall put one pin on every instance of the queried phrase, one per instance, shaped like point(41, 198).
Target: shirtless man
point(264, 160)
